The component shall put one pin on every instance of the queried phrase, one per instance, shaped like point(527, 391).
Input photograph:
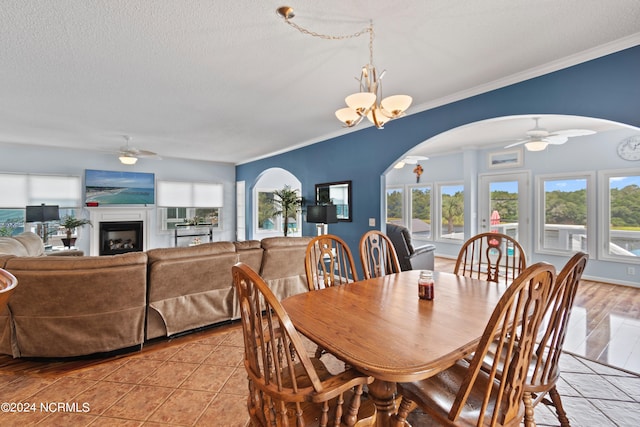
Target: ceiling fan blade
point(522, 141)
point(556, 139)
point(573, 132)
point(145, 153)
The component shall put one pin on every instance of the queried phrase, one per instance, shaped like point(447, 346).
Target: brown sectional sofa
point(72, 306)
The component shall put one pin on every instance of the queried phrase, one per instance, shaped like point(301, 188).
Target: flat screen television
point(119, 188)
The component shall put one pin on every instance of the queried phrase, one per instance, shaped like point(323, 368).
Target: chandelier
point(368, 101)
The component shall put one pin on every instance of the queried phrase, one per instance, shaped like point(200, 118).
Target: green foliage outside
point(394, 205)
point(506, 204)
point(561, 207)
point(421, 204)
point(10, 226)
point(625, 208)
point(266, 210)
point(453, 210)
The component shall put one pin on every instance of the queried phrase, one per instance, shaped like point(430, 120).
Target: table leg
point(382, 393)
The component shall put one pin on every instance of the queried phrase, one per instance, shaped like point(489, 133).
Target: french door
point(504, 205)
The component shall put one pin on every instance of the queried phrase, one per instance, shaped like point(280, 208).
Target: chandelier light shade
point(368, 101)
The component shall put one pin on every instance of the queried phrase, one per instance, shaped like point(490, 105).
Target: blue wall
point(606, 88)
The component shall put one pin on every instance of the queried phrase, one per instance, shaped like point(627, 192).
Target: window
point(621, 215)
point(421, 212)
point(20, 190)
point(169, 217)
point(267, 220)
point(451, 206)
point(564, 216)
point(395, 211)
point(11, 222)
point(182, 202)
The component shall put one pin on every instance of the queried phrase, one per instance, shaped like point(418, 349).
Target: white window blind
point(14, 191)
point(55, 190)
point(189, 194)
point(20, 190)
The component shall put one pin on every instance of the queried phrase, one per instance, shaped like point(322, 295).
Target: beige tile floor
point(198, 380)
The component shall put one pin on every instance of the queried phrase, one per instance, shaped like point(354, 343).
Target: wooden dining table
point(380, 327)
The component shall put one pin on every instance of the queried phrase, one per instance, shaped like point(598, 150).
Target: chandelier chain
point(364, 31)
point(368, 102)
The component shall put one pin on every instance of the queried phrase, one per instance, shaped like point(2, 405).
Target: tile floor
point(198, 380)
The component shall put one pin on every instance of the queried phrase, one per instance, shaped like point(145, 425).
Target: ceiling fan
point(409, 160)
point(129, 155)
point(538, 138)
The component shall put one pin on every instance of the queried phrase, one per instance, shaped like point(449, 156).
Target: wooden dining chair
point(328, 262)
point(544, 370)
point(493, 257)
point(471, 394)
point(286, 385)
point(377, 255)
point(8, 284)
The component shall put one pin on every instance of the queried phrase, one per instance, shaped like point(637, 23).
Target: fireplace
point(118, 214)
point(120, 237)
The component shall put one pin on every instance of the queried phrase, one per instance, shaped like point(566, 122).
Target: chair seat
point(442, 389)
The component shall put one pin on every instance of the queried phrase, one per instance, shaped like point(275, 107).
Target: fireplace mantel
point(115, 214)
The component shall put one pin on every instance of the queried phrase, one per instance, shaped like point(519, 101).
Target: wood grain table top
point(382, 328)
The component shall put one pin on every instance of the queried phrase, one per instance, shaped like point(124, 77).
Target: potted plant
point(70, 223)
point(289, 203)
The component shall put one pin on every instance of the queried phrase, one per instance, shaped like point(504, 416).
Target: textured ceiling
point(231, 82)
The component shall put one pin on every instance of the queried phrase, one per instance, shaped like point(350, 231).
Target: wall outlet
point(372, 222)
point(631, 271)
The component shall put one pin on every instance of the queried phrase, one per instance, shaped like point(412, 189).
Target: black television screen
point(119, 188)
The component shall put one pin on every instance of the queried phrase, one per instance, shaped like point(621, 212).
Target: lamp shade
point(538, 145)
point(396, 105)
point(376, 117)
point(127, 159)
point(360, 101)
point(347, 116)
point(42, 213)
point(322, 214)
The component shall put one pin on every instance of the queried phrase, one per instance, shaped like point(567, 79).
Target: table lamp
point(41, 214)
point(322, 215)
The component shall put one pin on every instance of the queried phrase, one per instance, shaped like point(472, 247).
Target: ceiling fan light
point(361, 101)
point(348, 116)
point(538, 145)
point(396, 105)
point(128, 160)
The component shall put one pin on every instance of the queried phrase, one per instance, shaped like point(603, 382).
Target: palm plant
point(286, 201)
point(70, 223)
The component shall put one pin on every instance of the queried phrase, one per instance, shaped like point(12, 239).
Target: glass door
point(504, 206)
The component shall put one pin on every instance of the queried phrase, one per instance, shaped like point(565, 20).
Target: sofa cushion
point(189, 287)
point(247, 245)
point(32, 242)
point(11, 246)
point(250, 252)
point(283, 265)
point(213, 248)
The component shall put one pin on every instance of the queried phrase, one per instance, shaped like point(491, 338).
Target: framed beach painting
point(506, 159)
